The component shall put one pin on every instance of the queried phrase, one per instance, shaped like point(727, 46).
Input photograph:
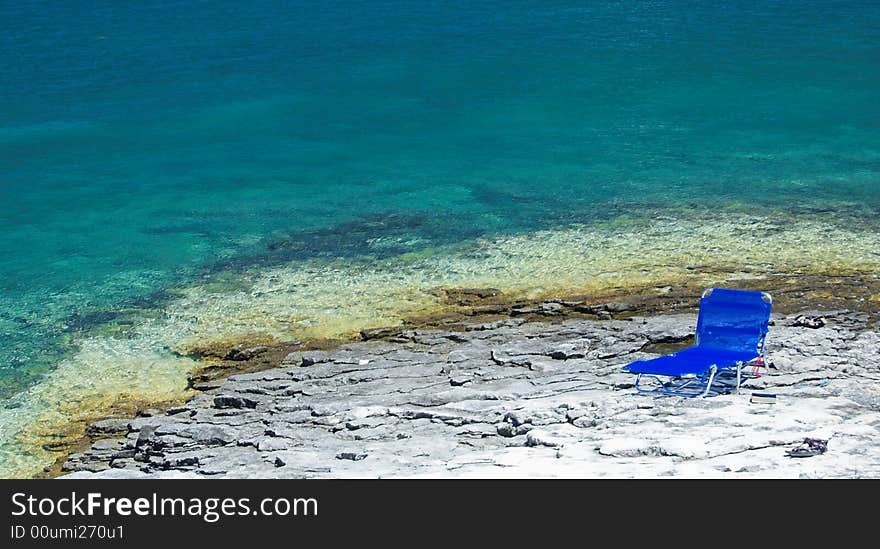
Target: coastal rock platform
point(517, 398)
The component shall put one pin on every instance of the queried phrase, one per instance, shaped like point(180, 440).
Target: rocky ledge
point(517, 399)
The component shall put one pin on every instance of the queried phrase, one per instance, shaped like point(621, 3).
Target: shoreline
point(658, 264)
point(516, 398)
point(464, 307)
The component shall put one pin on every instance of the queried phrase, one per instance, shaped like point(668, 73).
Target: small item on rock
point(813, 322)
point(808, 448)
point(352, 456)
point(763, 398)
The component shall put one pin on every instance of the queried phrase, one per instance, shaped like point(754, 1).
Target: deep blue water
point(143, 144)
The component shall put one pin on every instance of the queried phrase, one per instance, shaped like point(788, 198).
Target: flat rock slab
point(515, 399)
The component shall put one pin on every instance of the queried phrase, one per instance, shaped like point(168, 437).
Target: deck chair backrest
point(735, 320)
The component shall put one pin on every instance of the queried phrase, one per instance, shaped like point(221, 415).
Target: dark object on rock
point(808, 448)
point(180, 463)
point(565, 355)
point(377, 333)
point(108, 426)
point(809, 321)
point(507, 362)
point(352, 456)
point(279, 462)
point(223, 401)
point(458, 381)
point(237, 354)
point(763, 398)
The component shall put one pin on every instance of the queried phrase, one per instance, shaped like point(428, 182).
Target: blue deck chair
point(730, 334)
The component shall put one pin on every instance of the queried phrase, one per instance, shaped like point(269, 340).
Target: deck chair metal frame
point(716, 361)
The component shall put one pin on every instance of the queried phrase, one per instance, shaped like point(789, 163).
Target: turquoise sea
point(166, 166)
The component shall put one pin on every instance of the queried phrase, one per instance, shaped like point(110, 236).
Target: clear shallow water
point(145, 149)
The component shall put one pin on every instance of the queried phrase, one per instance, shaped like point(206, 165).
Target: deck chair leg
point(712, 372)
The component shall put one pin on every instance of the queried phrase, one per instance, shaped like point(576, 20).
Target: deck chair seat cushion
point(693, 360)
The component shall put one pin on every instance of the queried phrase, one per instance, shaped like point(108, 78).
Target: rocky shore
point(515, 398)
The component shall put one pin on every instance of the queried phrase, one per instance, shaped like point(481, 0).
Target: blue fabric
point(730, 329)
point(733, 320)
point(693, 360)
